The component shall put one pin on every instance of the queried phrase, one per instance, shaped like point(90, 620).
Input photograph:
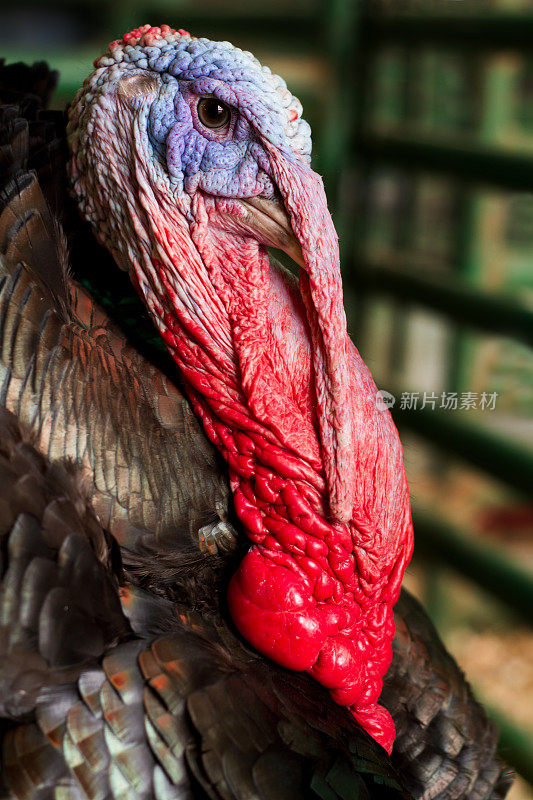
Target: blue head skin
point(227, 160)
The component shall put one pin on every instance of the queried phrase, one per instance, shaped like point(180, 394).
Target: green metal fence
point(451, 293)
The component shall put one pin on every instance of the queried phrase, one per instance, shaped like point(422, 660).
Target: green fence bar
point(477, 559)
point(466, 305)
point(511, 170)
point(483, 31)
point(516, 745)
point(490, 568)
point(497, 455)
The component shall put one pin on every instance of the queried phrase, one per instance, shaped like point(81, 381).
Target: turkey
point(160, 697)
point(188, 158)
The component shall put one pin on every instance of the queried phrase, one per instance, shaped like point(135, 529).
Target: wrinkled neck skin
point(269, 328)
point(258, 360)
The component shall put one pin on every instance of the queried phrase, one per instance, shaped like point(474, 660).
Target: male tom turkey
point(160, 697)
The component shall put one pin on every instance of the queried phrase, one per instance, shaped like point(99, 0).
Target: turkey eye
point(212, 113)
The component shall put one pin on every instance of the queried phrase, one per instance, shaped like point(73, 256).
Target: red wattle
point(273, 611)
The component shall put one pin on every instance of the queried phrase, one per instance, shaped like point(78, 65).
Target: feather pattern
point(69, 375)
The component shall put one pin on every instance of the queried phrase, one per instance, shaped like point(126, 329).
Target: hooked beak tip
point(269, 220)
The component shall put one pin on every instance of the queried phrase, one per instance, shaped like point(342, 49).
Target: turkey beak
point(270, 223)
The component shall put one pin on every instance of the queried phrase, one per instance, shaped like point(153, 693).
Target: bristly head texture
point(176, 68)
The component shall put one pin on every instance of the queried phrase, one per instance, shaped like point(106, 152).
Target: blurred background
point(422, 114)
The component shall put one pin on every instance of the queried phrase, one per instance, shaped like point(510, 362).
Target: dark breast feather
point(142, 695)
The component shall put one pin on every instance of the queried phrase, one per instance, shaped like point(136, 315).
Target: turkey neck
point(310, 589)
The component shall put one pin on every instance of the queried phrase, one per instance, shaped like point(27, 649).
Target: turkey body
point(121, 675)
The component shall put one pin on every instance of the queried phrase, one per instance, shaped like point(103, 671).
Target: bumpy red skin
point(312, 594)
